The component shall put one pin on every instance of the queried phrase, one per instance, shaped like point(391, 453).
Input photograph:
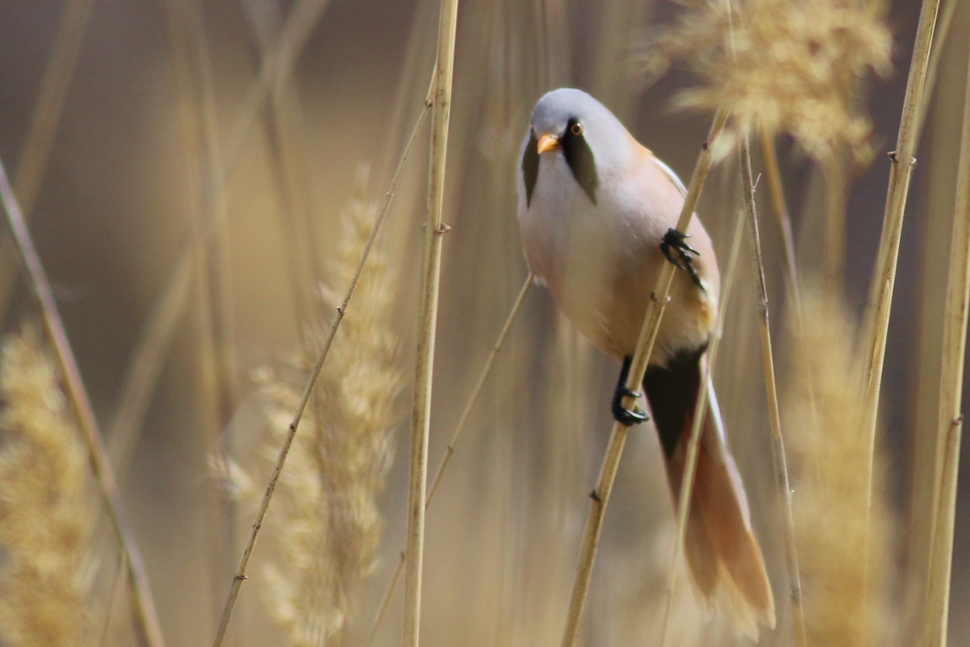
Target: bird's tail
point(722, 552)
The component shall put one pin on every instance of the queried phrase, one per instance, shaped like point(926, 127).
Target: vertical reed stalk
point(941, 559)
point(901, 168)
point(43, 126)
point(933, 65)
point(777, 192)
point(273, 72)
point(450, 449)
point(285, 125)
point(774, 414)
point(151, 350)
point(240, 575)
point(600, 496)
point(428, 320)
point(687, 484)
point(950, 420)
point(141, 592)
point(146, 363)
point(190, 61)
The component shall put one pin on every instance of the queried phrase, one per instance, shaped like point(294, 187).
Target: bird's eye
point(576, 129)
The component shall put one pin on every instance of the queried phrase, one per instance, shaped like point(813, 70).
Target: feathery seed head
point(327, 522)
point(46, 510)
point(792, 65)
point(844, 597)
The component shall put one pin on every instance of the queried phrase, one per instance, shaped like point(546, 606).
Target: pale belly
point(603, 281)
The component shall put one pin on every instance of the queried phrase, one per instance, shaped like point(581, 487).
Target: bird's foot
point(621, 414)
point(675, 241)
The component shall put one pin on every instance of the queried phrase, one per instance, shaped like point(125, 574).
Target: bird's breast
point(600, 262)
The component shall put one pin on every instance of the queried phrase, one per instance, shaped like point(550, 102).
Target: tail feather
point(722, 553)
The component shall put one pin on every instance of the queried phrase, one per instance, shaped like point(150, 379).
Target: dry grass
point(328, 523)
point(46, 504)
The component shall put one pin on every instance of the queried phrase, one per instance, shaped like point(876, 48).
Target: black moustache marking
point(530, 166)
point(580, 160)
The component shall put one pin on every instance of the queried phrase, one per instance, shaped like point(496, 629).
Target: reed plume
point(46, 505)
point(796, 66)
point(327, 523)
point(830, 485)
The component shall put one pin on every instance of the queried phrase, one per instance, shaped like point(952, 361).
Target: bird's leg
point(621, 414)
point(675, 240)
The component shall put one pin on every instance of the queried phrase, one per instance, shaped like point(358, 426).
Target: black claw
point(621, 414)
point(626, 416)
point(675, 240)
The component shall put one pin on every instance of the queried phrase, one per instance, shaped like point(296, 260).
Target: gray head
point(591, 139)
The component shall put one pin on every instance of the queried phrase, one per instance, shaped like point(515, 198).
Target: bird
point(597, 213)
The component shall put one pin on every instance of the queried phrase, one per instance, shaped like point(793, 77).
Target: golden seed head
point(793, 66)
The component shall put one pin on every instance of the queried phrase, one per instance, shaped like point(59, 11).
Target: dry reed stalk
point(47, 515)
point(328, 523)
point(273, 73)
point(935, 220)
point(450, 449)
point(771, 388)
point(693, 442)
point(777, 192)
point(240, 575)
point(141, 592)
point(146, 363)
point(190, 60)
point(901, 168)
point(285, 125)
point(941, 561)
point(43, 127)
point(844, 596)
point(427, 321)
point(933, 66)
point(949, 417)
point(600, 496)
point(152, 347)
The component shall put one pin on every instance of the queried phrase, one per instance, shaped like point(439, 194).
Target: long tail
point(722, 552)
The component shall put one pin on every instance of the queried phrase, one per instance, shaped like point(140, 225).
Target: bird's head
point(570, 127)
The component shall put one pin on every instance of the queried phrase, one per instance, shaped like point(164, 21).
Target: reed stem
point(600, 497)
point(43, 127)
point(240, 575)
point(774, 412)
point(777, 192)
point(941, 560)
point(687, 484)
point(144, 605)
point(146, 363)
point(428, 320)
point(950, 420)
point(933, 65)
point(150, 352)
point(900, 172)
point(450, 450)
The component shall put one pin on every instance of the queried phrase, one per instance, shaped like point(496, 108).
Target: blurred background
point(148, 135)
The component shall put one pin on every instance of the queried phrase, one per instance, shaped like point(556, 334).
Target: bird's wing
point(669, 172)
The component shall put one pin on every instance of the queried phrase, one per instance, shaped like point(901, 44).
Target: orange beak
point(548, 143)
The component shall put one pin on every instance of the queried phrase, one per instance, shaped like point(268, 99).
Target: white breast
point(601, 261)
point(572, 248)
